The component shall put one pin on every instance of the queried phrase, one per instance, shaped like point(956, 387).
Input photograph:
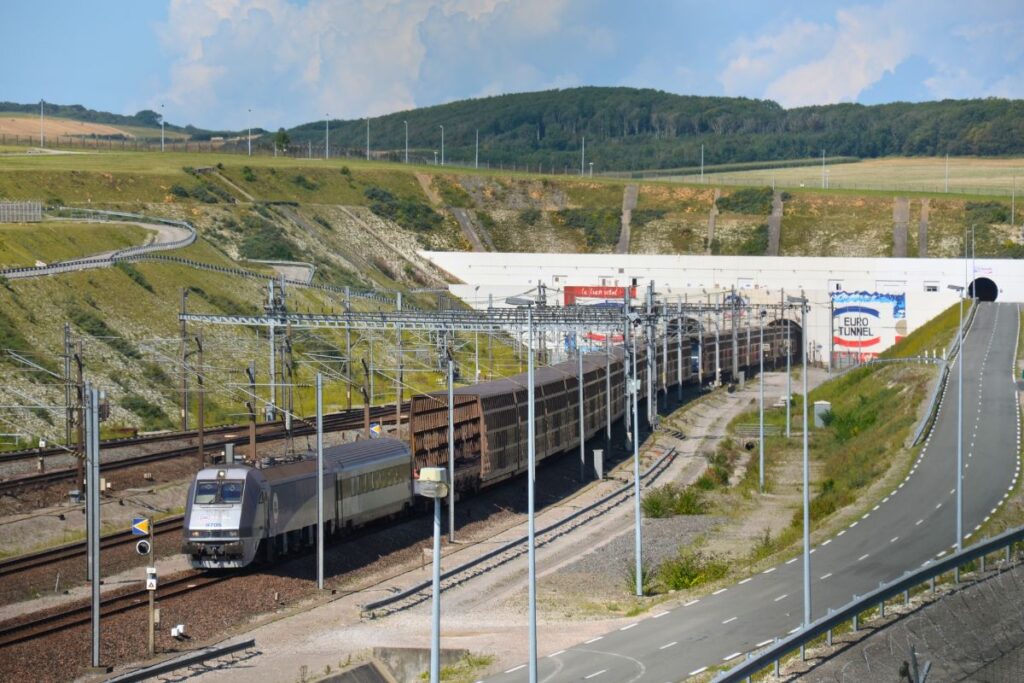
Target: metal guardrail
point(184, 662)
point(370, 607)
point(850, 611)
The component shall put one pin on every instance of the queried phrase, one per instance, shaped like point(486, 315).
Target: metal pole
point(638, 533)
point(608, 388)
point(406, 141)
point(831, 312)
point(319, 481)
point(679, 355)
point(435, 603)
point(327, 137)
point(760, 353)
point(583, 153)
point(367, 139)
point(451, 451)
point(442, 144)
point(476, 160)
point(583, 431)
point(201, 384)
point(960, 420)
point(789, 376)
point(94, 518)
point(807, 498)
point(531, 451)
point(152, 593)
point(348, 352)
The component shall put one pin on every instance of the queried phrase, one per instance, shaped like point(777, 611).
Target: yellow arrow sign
point(140, 526)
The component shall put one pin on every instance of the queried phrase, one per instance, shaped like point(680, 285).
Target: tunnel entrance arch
point(983, 289)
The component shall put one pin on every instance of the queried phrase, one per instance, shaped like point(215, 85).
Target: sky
point(209, 62)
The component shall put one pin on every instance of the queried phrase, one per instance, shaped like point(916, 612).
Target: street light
point(531, 458)
point(807, 501)
point(960, 418)
point(760, 349)
point(433, 483)
point(442, 144)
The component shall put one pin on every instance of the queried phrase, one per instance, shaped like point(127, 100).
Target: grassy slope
point(937, 333)
point(22, 244)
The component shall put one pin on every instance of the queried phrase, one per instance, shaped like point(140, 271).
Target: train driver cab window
point(218, 492)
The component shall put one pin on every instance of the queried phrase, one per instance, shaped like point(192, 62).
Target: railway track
point(516, 548)
point(236, 435)
point(68, 618)
point(211, 434)
point(68, 551)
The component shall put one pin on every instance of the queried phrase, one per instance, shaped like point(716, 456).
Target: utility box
point(820, 408)
point(598, 464)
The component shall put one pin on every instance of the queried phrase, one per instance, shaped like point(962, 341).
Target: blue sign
point(140, 526)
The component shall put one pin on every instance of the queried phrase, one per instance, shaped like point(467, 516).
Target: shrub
point(671, 500)
point(691, 568)
point(408, 213)
point(153, 417)
point(646, 577)
point(756, 200)
point(756, 243)
point(92, 324)
point(322, 221)
point(529, 216)
point(600, 227)
point(265, 240)
point(304, 182)
point(345, 171)
point(486, 220)
point(179, 191)
point(248, 175)
point(133, 273)
point(641, 217)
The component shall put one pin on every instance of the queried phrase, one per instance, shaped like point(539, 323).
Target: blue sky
point(291, 61)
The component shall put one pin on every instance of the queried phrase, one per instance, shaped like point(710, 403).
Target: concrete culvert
point(750, 445)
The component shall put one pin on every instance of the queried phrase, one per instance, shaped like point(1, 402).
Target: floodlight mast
point(802, 301)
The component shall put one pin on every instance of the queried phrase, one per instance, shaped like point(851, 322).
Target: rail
point(398, 597)
point(200, 657)
point(773, 654)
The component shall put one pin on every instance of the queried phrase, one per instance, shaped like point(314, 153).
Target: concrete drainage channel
point(515, 548)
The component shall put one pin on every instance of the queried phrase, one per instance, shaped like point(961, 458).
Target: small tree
point(281, 139)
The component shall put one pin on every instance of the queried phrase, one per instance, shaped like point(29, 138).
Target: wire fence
point(21, 212)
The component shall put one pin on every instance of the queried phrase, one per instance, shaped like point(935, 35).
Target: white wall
point(761, 278)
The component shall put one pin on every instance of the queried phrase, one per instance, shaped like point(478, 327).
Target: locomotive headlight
point(196, 534)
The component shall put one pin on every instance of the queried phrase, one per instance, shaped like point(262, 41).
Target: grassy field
point(967, 175)
point(22, 244)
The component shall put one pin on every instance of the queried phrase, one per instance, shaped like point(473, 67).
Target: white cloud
point(351, 59)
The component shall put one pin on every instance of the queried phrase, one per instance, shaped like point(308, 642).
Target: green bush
point(408, 213)
point(248, 175)
point(452, 194)
point(671, 500)
point(267, 241)
point(641, 217)
point(486, 220)
point(691, 568)
point(304, 182)
point(756, 243)
point(179, 191)
point(600, 227)
point(756, 200)
point(133, 273)
point(646, 577)
point(92, 324)
point(529, 216)
point(153, 417)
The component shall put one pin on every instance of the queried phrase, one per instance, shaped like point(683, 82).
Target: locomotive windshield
point(218, 492)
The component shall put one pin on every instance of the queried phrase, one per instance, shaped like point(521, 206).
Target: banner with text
point(866, 323)
point(582, 295)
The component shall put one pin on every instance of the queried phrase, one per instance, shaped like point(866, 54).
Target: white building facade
point(859, 306)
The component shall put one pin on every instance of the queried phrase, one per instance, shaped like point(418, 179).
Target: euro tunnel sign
point(140, 526)
point(375, 430)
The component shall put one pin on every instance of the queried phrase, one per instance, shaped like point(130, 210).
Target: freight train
point(236, 511)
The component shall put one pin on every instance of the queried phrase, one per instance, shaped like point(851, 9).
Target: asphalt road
point(913, 525)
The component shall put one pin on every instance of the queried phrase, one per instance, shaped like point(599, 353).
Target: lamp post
point(406, 141)
point(531, 451)
point(433, 483)
point(806, 493)
point(960, 418)
point(442, 144)
point(760, 353)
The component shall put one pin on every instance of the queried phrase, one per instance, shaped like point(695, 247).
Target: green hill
point(629, 129)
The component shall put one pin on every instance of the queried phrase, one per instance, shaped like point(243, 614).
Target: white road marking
point(626, 628)
point(692, 602)
point(918, 522)
point(720, 591)
point(729, 620)
point(791, 561)
point(863, 557)
point(825, 576)
point(886, 499)
point(853, 525)
point(794, 630)
point(659, 615)
point(593, 640)
point(827, 542)
point(875, 508)
point(768, 571)
point(938, 505)
point(596, 673)
point(555, 654)
point(765, 642)
point(515, 668)
point(697, 671)
point(841, 532)
point(734, 655)
point(894, 539)
point(781, 597)
point(746, 580)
